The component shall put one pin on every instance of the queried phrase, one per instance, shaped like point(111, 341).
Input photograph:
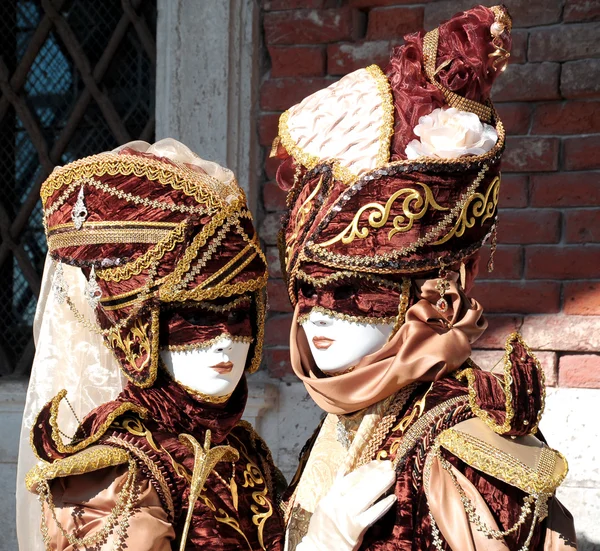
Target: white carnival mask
point(214, 371)
point(338, 344)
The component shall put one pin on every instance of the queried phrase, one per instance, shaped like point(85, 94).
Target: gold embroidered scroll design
point(253, 478)
point(414, 207)
point(478, 207)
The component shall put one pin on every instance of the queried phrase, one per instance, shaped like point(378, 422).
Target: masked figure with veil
point(154, 271)
point(393, 181)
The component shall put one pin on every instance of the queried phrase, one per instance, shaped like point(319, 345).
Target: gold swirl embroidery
point(481, 207)
point(301, 217)
point(253, 477)
point(380, 215)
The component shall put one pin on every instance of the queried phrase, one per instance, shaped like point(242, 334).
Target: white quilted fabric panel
point(347, 121)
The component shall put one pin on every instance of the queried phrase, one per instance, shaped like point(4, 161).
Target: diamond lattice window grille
point(76, 78)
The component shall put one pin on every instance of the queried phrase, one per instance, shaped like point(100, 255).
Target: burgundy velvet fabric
point(353, 296)
point(193, 324)
point(464, 45)
point(527, 395)
point(112, 203)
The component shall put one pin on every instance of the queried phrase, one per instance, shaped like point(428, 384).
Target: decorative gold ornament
point(377, 219)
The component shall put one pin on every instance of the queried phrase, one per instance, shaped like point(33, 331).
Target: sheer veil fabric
point(68, 356)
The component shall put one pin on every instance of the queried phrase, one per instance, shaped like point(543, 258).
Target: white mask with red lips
point(338, 344)
point(214, 371)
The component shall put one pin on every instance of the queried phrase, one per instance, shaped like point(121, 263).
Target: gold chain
point(122, 510)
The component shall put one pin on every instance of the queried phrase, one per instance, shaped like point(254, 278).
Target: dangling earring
point(79, 212)
point(463, 275)
point(59, 285)
point(493, 245)
point(93, 293)
point(442, 286)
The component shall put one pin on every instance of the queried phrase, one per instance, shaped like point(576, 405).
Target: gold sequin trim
point(89, 460)
point(204, 345)
point(497, 463)
point(345, 275)
point(346, 317)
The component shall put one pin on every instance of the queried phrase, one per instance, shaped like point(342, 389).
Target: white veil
point(67, 356)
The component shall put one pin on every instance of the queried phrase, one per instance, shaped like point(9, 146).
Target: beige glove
point(343, 516)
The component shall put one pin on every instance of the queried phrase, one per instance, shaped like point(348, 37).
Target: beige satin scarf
point(425, 348)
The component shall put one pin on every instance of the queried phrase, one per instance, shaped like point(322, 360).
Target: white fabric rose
point(448, 133)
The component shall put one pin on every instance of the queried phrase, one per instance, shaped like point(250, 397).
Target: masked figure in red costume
point(393, 181)
point(161, 245)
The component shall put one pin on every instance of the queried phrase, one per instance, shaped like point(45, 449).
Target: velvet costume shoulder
point(238, 507)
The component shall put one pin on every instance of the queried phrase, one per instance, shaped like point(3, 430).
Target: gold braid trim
point(430, 46)
point(346, 317)
point(89, 460)
point(169, 291)
point(73, 448)
point(261, 312)
point(207, 191)
point(505, 383)
point(495, 462)
point(116, 522)
point(91, 236)
point(386, 130)
point(165, 493)
point(151, 256)
point(342, 173)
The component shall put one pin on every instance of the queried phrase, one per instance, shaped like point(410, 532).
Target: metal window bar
point(76, 78)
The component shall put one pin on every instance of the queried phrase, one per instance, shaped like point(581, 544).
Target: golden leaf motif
point(135, 345)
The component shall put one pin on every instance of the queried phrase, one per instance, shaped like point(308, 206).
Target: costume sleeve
point(85, 505)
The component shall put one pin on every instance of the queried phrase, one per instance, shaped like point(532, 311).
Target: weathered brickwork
point(547, 277)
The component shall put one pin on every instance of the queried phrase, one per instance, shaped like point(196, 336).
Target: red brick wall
point(547, 276)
